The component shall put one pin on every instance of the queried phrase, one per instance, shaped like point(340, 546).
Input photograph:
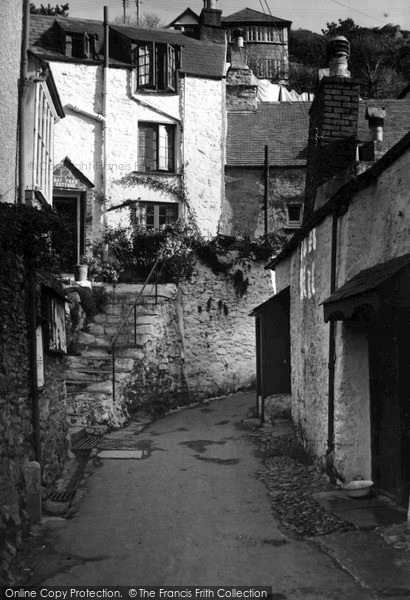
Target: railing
point(133, 310)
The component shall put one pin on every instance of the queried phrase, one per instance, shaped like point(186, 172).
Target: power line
point(358, 11)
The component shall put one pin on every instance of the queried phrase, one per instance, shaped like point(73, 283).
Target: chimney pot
point(376, 115)
point(338, 52)
point(238, 37)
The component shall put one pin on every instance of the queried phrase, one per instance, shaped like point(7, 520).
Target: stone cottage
point(343, 282)
point(145, 122)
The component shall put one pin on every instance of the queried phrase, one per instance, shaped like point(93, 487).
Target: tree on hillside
point(150, 19)
point(376, 58)
point(342, 27)
point(61, 11)
point(307, 48)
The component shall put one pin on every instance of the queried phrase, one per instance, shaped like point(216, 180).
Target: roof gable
point(188, 17)
point(68, 176)
point(247, 16)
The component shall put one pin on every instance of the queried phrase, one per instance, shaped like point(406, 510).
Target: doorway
point(70, 207)
point(389, 367)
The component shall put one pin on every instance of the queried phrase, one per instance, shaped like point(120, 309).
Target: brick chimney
point(210, 28)
point(333, 123)
point(241, 89)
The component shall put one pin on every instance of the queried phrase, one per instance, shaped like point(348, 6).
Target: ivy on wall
point(38, 236)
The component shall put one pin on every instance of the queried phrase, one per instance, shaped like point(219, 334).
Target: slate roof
point(283, 127)
point(199, 58)
point(369, 280)
point(396, 124)
point(247, 16)
point(341, 199)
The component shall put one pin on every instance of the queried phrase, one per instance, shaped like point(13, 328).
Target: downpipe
point(330, 450)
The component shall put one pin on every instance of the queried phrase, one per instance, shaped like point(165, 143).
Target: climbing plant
point(38, 236)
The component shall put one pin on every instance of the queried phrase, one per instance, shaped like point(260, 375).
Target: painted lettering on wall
point(307, 266)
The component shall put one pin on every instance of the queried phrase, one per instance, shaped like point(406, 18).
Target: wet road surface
point(191, 513)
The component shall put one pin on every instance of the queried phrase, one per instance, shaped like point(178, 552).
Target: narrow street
point(193, 512)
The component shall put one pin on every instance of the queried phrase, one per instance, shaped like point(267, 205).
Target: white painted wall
point(204, 149)
point(375, 229)
point(197, 112)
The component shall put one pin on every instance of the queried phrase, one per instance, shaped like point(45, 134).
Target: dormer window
point(155, 67)
point(76, 43)
point(80, 45)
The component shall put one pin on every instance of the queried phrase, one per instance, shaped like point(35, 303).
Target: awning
point(283, 296)
point(372, 287)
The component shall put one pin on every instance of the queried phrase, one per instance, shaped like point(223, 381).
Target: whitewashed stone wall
point(10, 44)
point(197, 112)
point(375, 229)
point(219, 334)
point(204, 149)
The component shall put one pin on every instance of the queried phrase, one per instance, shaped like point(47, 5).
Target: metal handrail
point(111, 347)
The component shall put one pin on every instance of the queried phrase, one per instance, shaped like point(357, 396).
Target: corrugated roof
point(249, 16)
point(199, 58)
point(283, 127)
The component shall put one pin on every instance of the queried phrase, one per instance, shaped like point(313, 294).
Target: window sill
point(292, 226)
point(149, 92)
point(157, 173)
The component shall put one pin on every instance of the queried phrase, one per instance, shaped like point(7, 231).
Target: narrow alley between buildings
point(193, 511)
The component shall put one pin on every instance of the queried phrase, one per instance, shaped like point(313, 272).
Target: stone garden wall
point(16, 431)
point(199, 340)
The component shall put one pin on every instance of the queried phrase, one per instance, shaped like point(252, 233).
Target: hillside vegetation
point(379, 57)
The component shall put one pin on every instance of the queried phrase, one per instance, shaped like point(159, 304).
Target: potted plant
point(81, 269)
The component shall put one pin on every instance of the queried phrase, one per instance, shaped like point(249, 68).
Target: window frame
point(156, 214)
point(157, 157)
point(293, 223)
point(160, 68)
point(43, 142)
point(269, 34)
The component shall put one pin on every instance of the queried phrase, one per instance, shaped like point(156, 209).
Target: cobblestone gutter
point(292, 479)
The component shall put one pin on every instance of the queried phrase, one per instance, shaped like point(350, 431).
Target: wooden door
point(388, 368)
point(276, 346)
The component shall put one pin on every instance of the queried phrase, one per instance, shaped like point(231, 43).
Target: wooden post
point(266, 198)
point(33, 491)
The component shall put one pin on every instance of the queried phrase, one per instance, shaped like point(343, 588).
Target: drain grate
point(68, 494)
point(88, 442)
point(61, 496)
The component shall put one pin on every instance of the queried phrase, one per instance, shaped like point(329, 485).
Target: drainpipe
point(332, 355)
point(32, 326)
point(86, 113)
point(24, 84)
point(266, 194)
point(105, 113)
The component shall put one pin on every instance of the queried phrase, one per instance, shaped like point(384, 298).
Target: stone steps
point(90, 363)
point(89, 372)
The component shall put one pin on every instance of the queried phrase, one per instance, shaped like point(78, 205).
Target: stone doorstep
point(371, 561)
point(367, 512)
point(121, 454)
